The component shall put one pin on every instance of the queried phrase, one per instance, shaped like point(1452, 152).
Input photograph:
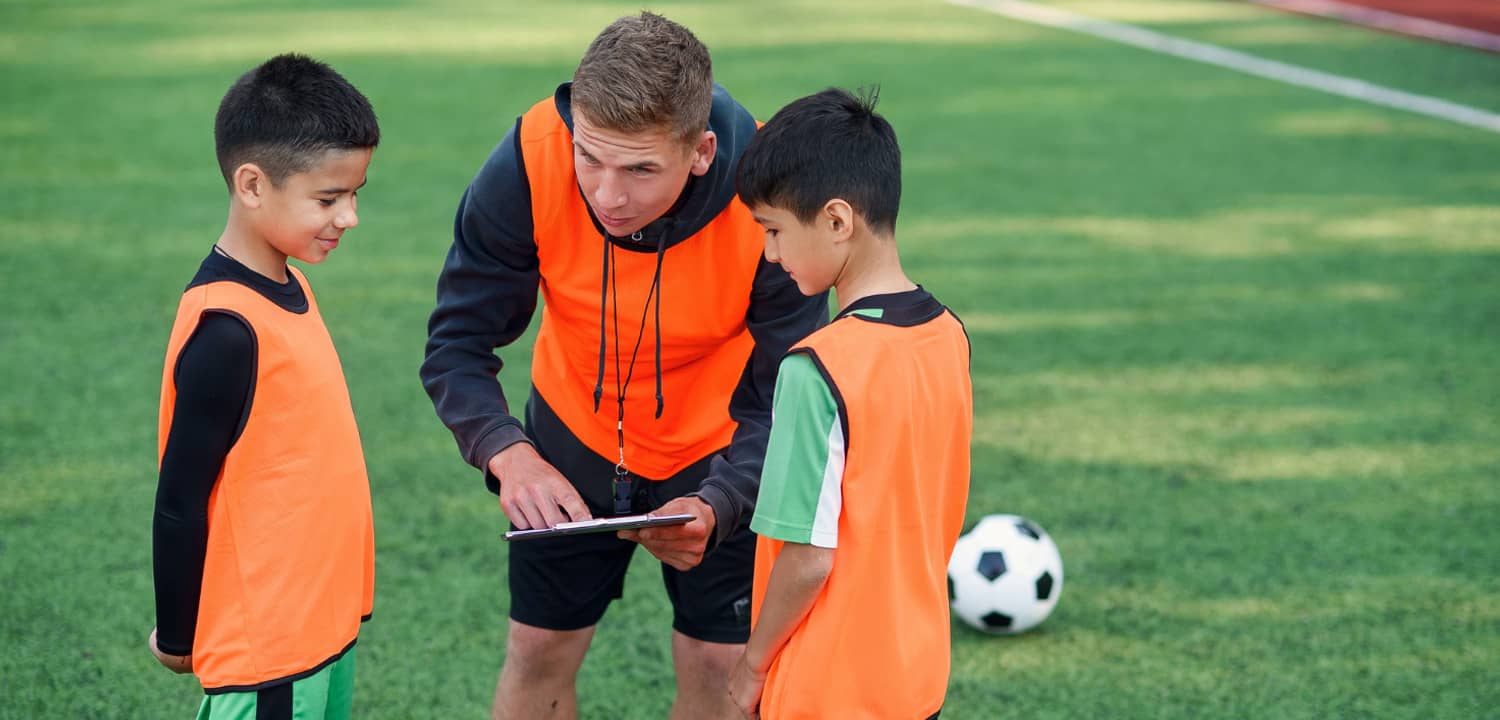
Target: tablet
point(626, 522)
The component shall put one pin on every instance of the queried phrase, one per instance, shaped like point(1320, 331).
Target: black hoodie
point(487, 294)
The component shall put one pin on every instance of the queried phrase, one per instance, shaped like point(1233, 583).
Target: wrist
point(706, 511)
point(173, 649)
point(757, 664)
point(493, 441)
point(703, 509)
point(501, 462)
point(711, 513)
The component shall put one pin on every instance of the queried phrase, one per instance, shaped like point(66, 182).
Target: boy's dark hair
point(828, 145)
point(645, 71)
point(286, 113)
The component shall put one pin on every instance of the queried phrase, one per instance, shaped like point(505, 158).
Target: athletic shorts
point(567, 583)
point(325, 695)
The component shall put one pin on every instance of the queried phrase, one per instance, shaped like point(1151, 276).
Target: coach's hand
point(680, 546)
point(534, 494)
point(175, 663)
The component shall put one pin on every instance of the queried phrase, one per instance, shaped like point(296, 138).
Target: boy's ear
point(838, 218)
point(251, 184)
point(703, 152)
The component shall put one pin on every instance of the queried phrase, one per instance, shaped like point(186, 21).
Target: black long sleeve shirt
point(215, 381)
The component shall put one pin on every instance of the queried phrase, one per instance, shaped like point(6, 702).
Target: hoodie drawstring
point(603, 304)
point(661, 251)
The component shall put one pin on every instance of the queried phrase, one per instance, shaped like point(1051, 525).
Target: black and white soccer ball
point(1005, 575)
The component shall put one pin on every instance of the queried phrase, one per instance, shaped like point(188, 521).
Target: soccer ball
point(1005, 575)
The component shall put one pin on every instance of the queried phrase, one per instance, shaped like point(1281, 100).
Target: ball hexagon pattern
point(1005, 575)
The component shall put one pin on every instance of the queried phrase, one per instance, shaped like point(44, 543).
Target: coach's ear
point(250, 185)
point(703, 152)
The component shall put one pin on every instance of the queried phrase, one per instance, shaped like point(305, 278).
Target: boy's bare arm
point(797, 578)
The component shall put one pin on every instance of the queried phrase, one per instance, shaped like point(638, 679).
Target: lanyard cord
point(609, 279)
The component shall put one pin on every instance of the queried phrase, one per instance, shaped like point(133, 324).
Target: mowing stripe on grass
point(1238, 61)
point(1389, 21)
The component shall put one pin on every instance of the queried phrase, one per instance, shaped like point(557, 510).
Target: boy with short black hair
point(867, 468)
point(263, 539)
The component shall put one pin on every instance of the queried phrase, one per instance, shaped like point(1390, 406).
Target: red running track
point(1473, 23)
point(1483, 15)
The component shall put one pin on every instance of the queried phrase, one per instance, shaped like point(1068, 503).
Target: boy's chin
point(314, 256)
point(809, 290)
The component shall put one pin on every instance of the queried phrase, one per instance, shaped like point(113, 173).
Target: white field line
point(1240, 62)
point(1389, 21)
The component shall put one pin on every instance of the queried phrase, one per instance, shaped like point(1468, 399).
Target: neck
point(252, 252)
point(874, 270)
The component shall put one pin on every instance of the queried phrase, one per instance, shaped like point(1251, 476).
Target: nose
point(610, 194)
point(348, 218)
point(773, 253)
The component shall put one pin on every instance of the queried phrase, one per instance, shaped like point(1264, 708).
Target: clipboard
point(578, 527)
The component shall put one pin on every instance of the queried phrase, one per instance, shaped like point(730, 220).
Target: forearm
point(178, 547)
point(797, 579)
point(481, 306)
point(734, 478)
point(486, 296)
point(468, 399)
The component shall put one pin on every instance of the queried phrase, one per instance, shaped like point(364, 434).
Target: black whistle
point(623, 486)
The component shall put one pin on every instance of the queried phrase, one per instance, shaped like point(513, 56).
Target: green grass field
point(1236, 343)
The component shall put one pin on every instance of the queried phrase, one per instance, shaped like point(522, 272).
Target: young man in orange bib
point(867, 469)
point(652, 371)
point(263, 541)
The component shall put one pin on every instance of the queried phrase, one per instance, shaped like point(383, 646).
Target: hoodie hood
point(705, 196)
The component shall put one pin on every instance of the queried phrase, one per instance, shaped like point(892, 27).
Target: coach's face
point(632, 178)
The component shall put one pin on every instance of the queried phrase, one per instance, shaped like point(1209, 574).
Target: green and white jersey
point(801, 483)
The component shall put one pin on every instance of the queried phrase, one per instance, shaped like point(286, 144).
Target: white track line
point(1386, 20)
point(1238, 61)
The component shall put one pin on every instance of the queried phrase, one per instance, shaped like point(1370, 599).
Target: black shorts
point(566, 583)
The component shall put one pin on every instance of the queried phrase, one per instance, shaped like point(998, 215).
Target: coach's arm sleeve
point(486, 296)
point(778, 317)
point(214, 377)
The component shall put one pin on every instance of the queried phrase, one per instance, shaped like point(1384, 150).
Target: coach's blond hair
point(644, 72)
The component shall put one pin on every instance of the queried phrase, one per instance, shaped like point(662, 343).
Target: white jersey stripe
point(825, 530)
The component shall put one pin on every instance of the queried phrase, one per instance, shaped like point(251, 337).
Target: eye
point(327, 202)
point(642, 172)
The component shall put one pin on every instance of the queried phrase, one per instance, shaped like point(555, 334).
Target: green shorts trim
point(327, 694)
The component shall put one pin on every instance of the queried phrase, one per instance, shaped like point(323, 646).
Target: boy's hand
point(534, 494)
point(180, 664)
point(680, 546)
point(745, 687)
